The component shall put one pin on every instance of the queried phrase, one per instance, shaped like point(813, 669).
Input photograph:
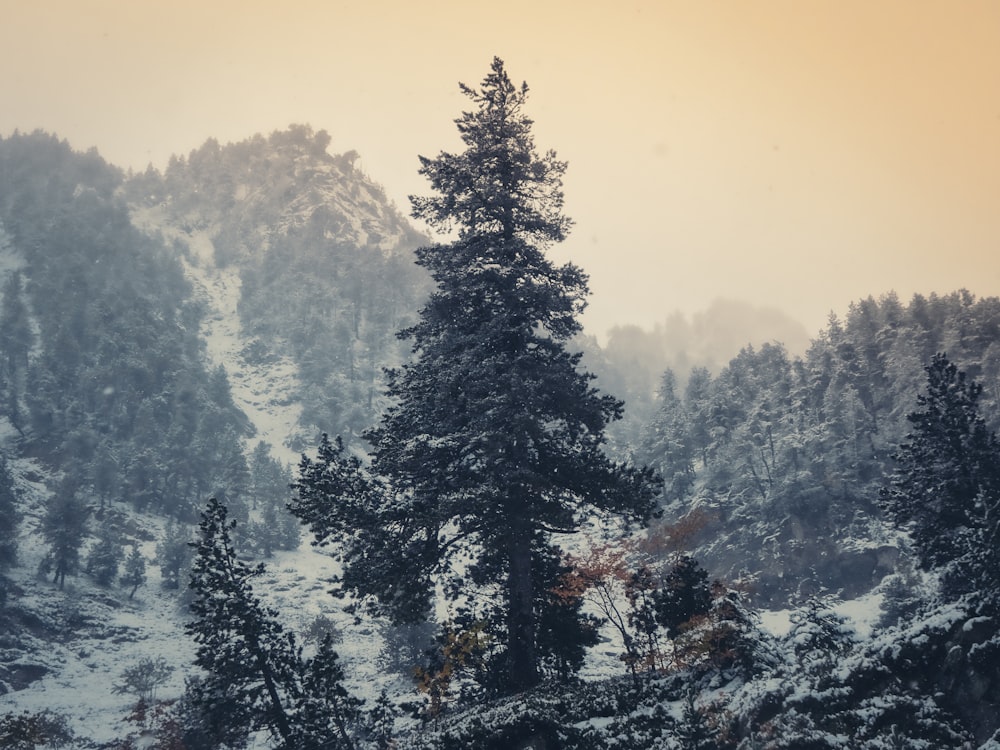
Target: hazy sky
point(795, 154)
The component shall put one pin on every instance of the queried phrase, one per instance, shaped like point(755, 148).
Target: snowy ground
point(101, 632)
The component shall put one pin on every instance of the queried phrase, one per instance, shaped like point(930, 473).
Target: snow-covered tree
point(256, 676)
point(174, 554)
point(16, 340)
point(64, 527)
point(107, 552)
point(946, 490)
point(493, 442)
point(10, 516)
point(134, 574)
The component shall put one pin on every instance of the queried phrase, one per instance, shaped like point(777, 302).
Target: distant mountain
point(320, 262)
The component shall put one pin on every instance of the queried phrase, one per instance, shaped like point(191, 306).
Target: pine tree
point(64, 526)
point(249, 659)
point(107, 553)
point(174, 554)
point(818, 636)
point(493, 444)
point(10, 516)
point(946, 490)
point(684, 594)
point(16, 340)
point(665, 442)
point(257, 678)
point(268, 493)
point(135, 571)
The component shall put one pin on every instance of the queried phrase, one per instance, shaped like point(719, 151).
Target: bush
point(26, 731)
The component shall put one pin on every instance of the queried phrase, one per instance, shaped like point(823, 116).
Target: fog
point(796, 157)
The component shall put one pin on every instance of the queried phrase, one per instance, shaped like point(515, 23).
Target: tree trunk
point(523, 671)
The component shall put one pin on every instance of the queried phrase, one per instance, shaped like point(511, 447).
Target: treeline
point(632, 360)
point(782, 457)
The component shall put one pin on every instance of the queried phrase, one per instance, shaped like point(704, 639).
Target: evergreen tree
point(818, 636)
point(946, 490)
point(174, 554)
point(107, 552)
point(684, 593)
point(135, 571)
point(10, 517)
point(248, 657)
point(64, 527)
point(268, 492)
point(256, 675)
point(666, 444)
point(16, 340)
point(493, 444)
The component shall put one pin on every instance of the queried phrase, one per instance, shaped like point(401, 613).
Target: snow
point(84, 667)
point(260, 390)
point(83, 663)
point(777, 622)
point(863, 613)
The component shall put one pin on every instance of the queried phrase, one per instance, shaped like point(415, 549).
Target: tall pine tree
point(493, 445)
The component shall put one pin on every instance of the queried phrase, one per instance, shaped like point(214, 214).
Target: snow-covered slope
point(261, 391)
point(65, 651)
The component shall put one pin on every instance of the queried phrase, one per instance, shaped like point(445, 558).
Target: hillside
point(169, 337)
point(332, 219)
point(318, 264)
point(781, 458)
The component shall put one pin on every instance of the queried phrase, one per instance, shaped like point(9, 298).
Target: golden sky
point(798, 154)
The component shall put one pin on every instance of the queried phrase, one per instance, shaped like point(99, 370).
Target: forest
point(278, 470)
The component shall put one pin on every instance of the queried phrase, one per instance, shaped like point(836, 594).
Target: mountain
point(308, 252)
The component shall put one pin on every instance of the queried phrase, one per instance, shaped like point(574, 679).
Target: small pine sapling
point(134, 574)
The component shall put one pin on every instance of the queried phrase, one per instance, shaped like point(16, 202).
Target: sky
point(795, 155)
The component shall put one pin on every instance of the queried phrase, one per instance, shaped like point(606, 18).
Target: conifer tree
point(135, 571)
point(257, 677)
point(493, 444)
point(684, 594)
point(16, 340)
point(64, 527)
point(248, 657)
point(174, 554)
point(946, 489)
point(10, 517)
point(107, 552)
